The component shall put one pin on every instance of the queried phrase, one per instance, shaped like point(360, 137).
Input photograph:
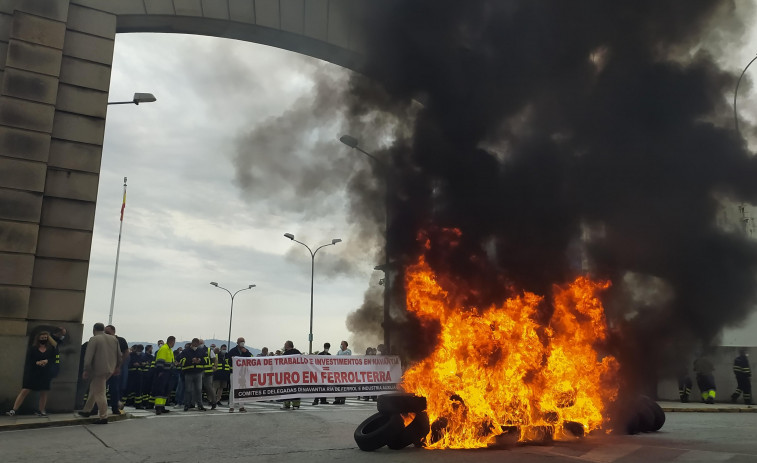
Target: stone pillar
point(55, 58)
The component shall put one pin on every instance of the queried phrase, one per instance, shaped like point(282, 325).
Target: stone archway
point(55, 65)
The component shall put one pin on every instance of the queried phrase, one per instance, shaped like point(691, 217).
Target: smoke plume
point(561, 138)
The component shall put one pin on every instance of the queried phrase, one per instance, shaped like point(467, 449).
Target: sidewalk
point(718, 407)
point(12, 423)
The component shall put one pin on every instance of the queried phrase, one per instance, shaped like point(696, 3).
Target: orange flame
point(499, 367)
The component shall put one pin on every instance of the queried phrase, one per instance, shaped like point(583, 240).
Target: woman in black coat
point(40, 363)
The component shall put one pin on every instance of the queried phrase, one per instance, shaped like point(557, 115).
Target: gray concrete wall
point(725, 381)
point(55, 65)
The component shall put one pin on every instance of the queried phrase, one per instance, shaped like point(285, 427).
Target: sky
point(188, 221)
point(225, 162)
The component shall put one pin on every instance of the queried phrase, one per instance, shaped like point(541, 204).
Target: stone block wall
point(56, 58)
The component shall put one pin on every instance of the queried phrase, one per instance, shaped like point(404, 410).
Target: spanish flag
point(123, 205)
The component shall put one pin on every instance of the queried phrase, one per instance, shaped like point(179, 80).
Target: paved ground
point(324, 433)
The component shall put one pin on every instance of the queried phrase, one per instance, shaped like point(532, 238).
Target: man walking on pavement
point(343, 350)
point(705, 379)
point(115, 382)
point(101, 361)
point(238, 351)
point(743, 377)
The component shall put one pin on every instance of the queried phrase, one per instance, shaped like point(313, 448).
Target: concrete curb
point(709, 410)
point(54, 423)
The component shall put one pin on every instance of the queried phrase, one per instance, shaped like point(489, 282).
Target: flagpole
point(118, 252)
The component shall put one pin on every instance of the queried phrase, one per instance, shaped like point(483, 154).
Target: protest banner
point(301, 376)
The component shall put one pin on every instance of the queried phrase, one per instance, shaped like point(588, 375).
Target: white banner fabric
point(301, 376)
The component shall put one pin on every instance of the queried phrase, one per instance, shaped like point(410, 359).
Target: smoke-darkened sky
point(547, 124)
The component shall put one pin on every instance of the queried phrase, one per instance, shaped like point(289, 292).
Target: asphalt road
point(324, 434)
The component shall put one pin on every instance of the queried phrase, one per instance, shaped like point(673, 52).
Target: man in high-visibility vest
point(161, 372)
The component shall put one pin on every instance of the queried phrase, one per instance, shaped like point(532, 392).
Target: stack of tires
point(401, 420)
point(647, 416)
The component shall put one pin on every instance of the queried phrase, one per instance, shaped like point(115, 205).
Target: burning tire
point(657, 412)
point(400, 402)
point(647, 416)
point(413, 433)
point(378, 430)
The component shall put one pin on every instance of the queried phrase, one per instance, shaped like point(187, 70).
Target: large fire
point(497, 368)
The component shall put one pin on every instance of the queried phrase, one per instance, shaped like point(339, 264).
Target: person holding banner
point(343, 350)
point(290, 350)
point(325, 351)
point(238, 351)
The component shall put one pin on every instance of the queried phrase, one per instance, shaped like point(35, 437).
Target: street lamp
point(312, 277)
point(138, 98)
point(353, 143)
point(231, 312)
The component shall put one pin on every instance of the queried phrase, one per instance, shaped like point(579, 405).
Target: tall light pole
point(353, 143)
point(312, 278)
point(138, 98)
point(231, 311)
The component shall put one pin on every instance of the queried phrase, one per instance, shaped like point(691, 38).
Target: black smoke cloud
point(548, 128)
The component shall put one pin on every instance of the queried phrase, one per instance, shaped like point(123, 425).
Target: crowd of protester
point(193, 376)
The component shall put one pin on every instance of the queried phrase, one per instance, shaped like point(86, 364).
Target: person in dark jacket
point(114, 382)
point(37, 373)
point(325, 351)
point(290, 350)
point(148, 374)
point(133, 389)
point(221, 374)
point(704, 369)
point(193, 363)
point(743, 377)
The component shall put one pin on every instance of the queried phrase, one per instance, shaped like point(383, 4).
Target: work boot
point(710, 400)
point(158, 410)
point(734, 398)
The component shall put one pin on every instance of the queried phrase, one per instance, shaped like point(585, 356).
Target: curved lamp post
point(138, 98)
point(353, 143)
point(312, 277)
point(231, 311)
point(736, 94)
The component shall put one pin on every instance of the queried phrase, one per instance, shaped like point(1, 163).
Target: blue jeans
point(180, 390)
